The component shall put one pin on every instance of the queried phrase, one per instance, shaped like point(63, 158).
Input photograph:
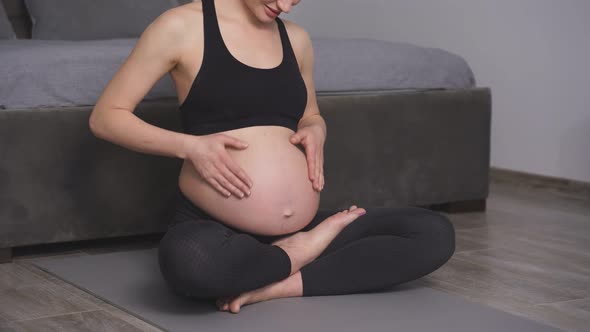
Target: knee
point(446, 235)
point(189, 260)
point(441, 235)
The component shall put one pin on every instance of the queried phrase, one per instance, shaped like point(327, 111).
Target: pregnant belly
point(282, 197)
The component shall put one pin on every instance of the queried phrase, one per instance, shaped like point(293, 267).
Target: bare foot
point(302, 248)
point(288, 287)
point(305, 246)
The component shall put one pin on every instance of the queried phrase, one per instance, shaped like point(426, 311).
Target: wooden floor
point(528, 254)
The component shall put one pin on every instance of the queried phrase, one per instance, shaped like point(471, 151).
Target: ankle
point(293, 285)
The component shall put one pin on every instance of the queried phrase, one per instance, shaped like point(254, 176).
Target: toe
point(355, 214)
point(225, 303)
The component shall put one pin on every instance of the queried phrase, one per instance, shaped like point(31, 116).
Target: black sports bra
point(228, 94)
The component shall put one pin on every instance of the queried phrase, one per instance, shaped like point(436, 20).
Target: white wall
point(533, 54)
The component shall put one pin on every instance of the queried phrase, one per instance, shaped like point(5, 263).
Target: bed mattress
point(53, 73)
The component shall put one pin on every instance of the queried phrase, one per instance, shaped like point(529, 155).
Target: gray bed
point(408, 122)
point(52, 73)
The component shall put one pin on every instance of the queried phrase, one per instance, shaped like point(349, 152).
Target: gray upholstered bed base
point(58, 182)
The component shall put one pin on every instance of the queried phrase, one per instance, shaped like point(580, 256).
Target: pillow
point(93, 19)
point(6, 31)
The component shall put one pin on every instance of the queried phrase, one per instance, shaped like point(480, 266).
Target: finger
point(230, 140)
point(317, 171)
point(245, 182)
point(240, 186)
point(218, 186)
point(311, 165)
point(322, 170)
point(228, 185)
point(220, 177)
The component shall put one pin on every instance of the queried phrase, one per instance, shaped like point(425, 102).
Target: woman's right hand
point(211, 160)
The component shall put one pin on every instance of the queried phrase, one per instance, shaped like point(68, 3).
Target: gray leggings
point(202, 258)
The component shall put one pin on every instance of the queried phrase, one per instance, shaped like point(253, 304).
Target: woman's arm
point(311, 129)
point(156, 52)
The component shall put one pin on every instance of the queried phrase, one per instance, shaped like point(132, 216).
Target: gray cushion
point(93, 19)
point(6, 31)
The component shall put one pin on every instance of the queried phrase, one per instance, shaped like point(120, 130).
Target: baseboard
point(567, 187)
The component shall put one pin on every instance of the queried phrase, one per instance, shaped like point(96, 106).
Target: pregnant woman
point(246, 226)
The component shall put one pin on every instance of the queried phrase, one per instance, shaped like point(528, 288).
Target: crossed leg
point(385, 247)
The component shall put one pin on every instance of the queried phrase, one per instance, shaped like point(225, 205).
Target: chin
point(265, 18)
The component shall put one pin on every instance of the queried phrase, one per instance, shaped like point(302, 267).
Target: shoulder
point(174, 30)
point(298, 36)
point(300, 39)
point(178, 20)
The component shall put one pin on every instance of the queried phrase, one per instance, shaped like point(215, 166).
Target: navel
point(288, 212)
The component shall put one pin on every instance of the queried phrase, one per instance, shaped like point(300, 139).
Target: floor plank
point(90, 321)
point(39, 300)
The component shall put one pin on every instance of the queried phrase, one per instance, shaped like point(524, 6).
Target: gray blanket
point(49, 73)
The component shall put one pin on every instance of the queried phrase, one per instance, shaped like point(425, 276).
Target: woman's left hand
point(312, 138)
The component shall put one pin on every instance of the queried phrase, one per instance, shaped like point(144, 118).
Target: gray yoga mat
point(131, 280)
